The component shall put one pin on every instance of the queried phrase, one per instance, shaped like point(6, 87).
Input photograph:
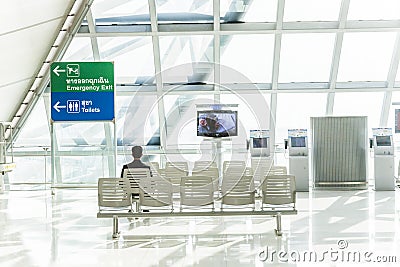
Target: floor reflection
point(38, 229)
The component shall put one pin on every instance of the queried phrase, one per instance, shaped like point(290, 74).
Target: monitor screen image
point(260, 142)
point(298, 141)
point(383, 141)
point(217, 123)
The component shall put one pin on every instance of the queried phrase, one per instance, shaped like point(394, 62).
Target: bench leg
point(115, 227)
point(278, 230)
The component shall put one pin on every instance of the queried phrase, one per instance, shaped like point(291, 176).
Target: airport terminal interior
point(270, 130)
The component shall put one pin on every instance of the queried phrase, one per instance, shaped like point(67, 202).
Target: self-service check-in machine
point(383, 159)
point(259, 143)
point(260, 151)
point(298, 157)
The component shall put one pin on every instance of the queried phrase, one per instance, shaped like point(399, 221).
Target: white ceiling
point(28, 29)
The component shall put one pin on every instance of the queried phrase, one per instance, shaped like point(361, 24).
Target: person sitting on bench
point(137, 153)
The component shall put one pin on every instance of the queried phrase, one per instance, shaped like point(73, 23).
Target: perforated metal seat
point(174, 171)
point(198, 165)
point(260, 167)
point(209, 172)
point(279, 190)
point(233, 164)
point(155, 168)
point(113, 193)
point(196, 191)
point(156, 191)
point(238, 191)
point(277, 170)
point(134, 175)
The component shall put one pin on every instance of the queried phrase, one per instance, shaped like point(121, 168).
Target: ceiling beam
point(341, 26)
point(157, 67)
point(217, 48)
point(93, 38)
point(392, 73)
point(344, 9)
point(275, 72)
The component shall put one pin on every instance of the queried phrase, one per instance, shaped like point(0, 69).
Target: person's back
point(137, 153)
point(137, 164)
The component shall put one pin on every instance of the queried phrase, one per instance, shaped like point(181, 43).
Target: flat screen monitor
point(383, 141)
point(298, 141)
point(260, 142)
point(217, 123)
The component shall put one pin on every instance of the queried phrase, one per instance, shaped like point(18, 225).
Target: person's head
point(137, 152)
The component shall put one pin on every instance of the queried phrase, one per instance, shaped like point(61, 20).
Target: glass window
point(366, 56)
point(83, 170)
point(81, 135)
point(85, 151)
point(398, 74)
point(184, 11)
point(111, 12)
point(374, 10)
point(180, 112)
point(311, 10)
point(182, 142)
point(36, 129)
point(253, 112)
point(132, 56)
point(137, 121)
point(360, 104)
point(80, 49)
point(250, 55)
point(181, 117)
point(31, 169)
point(306, 57)
point(394, 121)
point(294, 111)
point(177, 51)
point(248, 11)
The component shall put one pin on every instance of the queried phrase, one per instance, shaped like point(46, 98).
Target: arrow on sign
point(57, 107)
point(56, 70)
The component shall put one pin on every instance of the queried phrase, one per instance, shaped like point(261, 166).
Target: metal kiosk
point(298, 158)
point(383, 159)
point(260, 152)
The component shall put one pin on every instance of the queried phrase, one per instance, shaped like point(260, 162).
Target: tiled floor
point(38, 229)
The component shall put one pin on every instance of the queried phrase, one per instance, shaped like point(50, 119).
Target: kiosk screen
point(298, 142)
point(260, 143)
point(383, 141)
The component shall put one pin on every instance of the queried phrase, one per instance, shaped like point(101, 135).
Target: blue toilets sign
point(82, 91)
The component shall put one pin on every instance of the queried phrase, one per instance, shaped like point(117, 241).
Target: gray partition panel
point(339, 151)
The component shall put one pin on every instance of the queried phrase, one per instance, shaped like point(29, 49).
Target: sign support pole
point(53, 158)
point(115, 148)
point(83, 91)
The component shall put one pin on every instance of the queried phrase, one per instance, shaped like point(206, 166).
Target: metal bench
point(278, 206)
